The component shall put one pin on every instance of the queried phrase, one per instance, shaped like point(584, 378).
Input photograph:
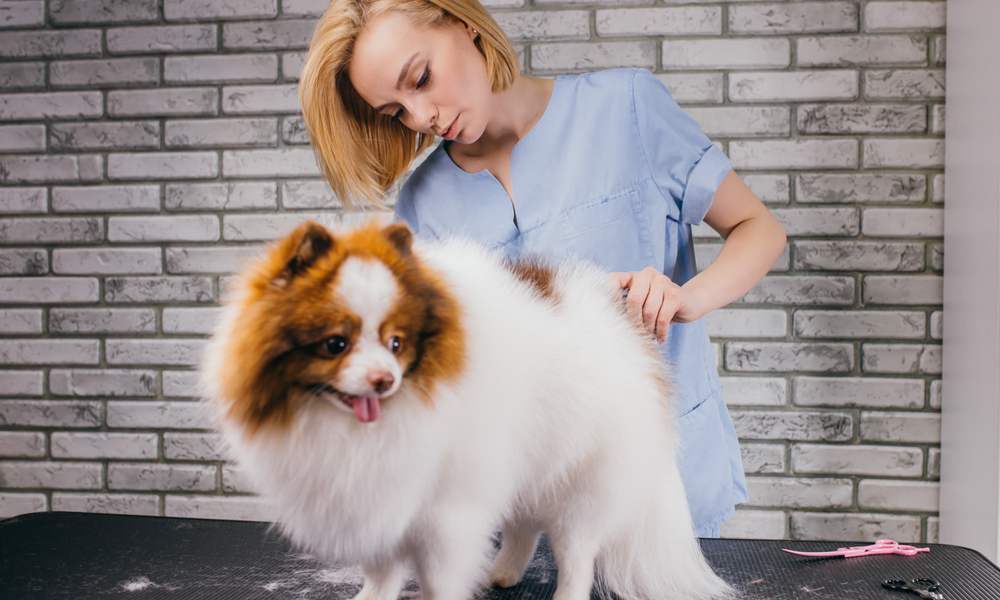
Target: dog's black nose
point(380, 380)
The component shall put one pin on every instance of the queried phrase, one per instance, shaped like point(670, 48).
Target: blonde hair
point(360, 152)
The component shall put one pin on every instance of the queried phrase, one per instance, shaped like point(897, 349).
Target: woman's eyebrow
point(399, 82)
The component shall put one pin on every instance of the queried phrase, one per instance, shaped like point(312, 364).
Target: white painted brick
point(763, 458)
point(788, 356)
point(221, 196)
point(755, 525)
point(216, 260)
point(771, 189)
point(793, 154)
point(104, 73)
point(819, 221)
point(103, 11)
point(937, 118)
point(900, 222)
point(800, 492)
point(22, 138)
point(21, 383)
point(311, 8)
point(50, 413)
point(192, 446)
point(102, 320)
point(118, 198)
point(53, 475)
point(166, 38)
point(857, 460)
point(935, 394)
point(245, 99)
point(681, 20)
point(744, 121)
point(20, 320)
point(308, 194)
point(754, 391)
point(104, 445)
point(904, 83)
point(933, 534)
point(23, 200)
point(858, 391)
point(592, 55)
point(875, 187)
point(237, 508)
point(269, 35)
point(939, 50)
point(858, 256)
point(854, 527)
point(234, 480)
point(901, 358)
point(750, 53)
point(22, 444)
point(801, 17)
point(903, 289)
point(158, 289)
point(88, 261)
point(911, 14)
point(12, 505)
point(793, 426)
point(793, 85)
point(217, 68)
point(22, 13)
point(898, 495)
point(67, 42)
point(694, 87)
point(41, 352)
point(837, 51)
point(43, 168)
point(906, 153)
point(807, 290)
point(747, 323)
point(291, 65)
point(158, 415)
point(166, 102)
point(937, 319)
point(218, 9)
point(180, 228)
point(180, 384)
point(860, 324)
point(934, 463)
point(174, 351)
point(900, 427)
point(23, 261)
point(102, 382)
point(221, 132)
point(161, 477)
point(165, 165)
point(937, 188)
point(125, 504)
point(291, 162)
point(91, 136)
point(190, 320)
point(269, 227)
point(864, 118)
point(21, 75)
point(47, 290)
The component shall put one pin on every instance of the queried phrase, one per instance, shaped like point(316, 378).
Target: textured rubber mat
point(84, 555)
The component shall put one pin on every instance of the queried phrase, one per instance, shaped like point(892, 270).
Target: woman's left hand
point(654, 300)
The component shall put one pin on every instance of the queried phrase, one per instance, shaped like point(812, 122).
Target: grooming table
point(85, 555)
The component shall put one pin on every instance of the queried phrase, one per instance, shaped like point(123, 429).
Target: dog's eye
point(335, 345)
point(395, 344)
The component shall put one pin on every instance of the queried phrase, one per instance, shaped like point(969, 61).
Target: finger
point(637, 294)
point(658, 292)
point(663, 319)
point(622, 280)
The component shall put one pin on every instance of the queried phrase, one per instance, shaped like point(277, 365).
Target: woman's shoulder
point(616, 82)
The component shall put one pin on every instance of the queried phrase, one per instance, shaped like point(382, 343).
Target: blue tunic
point(614, 172)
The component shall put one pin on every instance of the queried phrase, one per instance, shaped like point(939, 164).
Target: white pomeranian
point(399, 401)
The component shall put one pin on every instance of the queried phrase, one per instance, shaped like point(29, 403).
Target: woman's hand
point(653, 300)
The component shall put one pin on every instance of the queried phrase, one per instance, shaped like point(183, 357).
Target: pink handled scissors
point(879, 547)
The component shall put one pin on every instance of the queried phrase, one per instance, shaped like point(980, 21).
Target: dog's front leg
point(382, 582)
point(452, 560)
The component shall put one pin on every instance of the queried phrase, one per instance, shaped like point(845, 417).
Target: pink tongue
point(366, 408)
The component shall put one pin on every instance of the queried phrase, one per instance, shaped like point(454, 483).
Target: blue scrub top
point(616, 173)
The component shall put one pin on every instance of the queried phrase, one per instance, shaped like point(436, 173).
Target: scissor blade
point(818, 554)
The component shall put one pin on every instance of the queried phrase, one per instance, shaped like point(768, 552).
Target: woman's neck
point(513, 113)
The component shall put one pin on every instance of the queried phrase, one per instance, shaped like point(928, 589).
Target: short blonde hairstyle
point(360, 152)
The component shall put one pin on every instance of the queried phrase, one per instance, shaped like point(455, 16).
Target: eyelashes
point(420, 83)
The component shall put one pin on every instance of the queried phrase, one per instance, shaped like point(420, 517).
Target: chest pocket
point(612, 231)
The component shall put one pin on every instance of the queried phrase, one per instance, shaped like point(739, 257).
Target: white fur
point(554, 425)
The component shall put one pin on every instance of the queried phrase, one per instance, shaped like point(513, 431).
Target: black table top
point(86, 555)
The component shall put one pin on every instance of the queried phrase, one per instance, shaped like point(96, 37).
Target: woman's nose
point(424, 116)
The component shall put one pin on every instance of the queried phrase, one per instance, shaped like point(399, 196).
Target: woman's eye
point(335, 345)
point(395, 344)
point(423, 78)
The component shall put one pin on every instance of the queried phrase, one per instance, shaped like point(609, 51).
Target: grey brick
point(904, 83)
point(102, 320)
point(101, 198)
point(22, 13)
point(165, 165)
point(934, 463)
point(898, 15)
point(682, 20)
point(235, 480)
point(45, 229)
point(158, 415)
point(161, 477)
point(903, 289)
point(240, 508)
point(41, 352)
point(836, 51)
point(104, 445)
point(901, 358)
point(293, 131)
point(260, 98)
point(267, 35)
point(106, 382)
point(291, 162)
point(221, 132)
point(190, 320)
point(12, 505)
point(180, 384)
point(858, 256)
point(158, 289)
point(739, 53)
point(937, 323)
point(22, 138)
point(785, 356)
point(763, 458)
point(800, 492)
point(218, 9)
point(756, 525)
point(166, 38)
point(903, 222)
point(904, 152)
point(104, 73)
point(865, 118)
point(67, 42)
point(103, 11)
point(216, 260)
point(857, 460)
point(860, 324)
point(166, 102)
point(312, 8)
point(806, 290)
point(291, 65)
point(20, 320)
point(47, 290)
point(126, 504)
point(21, 444)
point(847, 526)
point(180, 228)
point(154, 352)
point(21, 383)
point(50, 413)
point(539, 25)
point(44, 168)
point(751, 391)
point(801, 17)
point(898, 495)
point(901, 427)
point(215, 68)
point(23, 261)
point(794, 426)
point(119, 134)
point(23, 200)
point(819, 221)
point(15, 75)
point(222, 196)
point(747, 323)
point(877, 187)
point(53, 475)
point(269, 227)
point(591, 55)
point(308, 194)
point(193, 446)
point(793, 154)
point(870, 392)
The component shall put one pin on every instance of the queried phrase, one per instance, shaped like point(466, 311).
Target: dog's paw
point(505, 577)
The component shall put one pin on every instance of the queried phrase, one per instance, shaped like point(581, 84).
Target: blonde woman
point(601, 165)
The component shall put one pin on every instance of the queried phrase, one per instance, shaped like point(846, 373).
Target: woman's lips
point(448, 132)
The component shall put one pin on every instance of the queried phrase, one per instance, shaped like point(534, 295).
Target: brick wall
point(147, 147)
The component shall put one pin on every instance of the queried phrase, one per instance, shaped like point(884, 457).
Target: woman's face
point(440, 73)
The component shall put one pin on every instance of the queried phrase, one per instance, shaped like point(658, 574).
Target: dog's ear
point(400, 237)
point(302, 248)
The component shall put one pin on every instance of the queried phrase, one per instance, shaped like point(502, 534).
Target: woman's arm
point(754, 240)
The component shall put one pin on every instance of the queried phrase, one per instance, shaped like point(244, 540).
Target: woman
point(603, 166)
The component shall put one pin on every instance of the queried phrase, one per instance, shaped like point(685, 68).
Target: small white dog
point(399, 401)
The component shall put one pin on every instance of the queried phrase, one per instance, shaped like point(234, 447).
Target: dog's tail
point(659, 558)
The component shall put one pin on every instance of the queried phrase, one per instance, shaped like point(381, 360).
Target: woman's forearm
point(747, 255)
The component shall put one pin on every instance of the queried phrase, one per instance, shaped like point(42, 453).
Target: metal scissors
point(924, 587)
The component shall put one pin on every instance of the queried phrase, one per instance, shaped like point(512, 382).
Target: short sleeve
point(406, 211)
point(685, 165)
